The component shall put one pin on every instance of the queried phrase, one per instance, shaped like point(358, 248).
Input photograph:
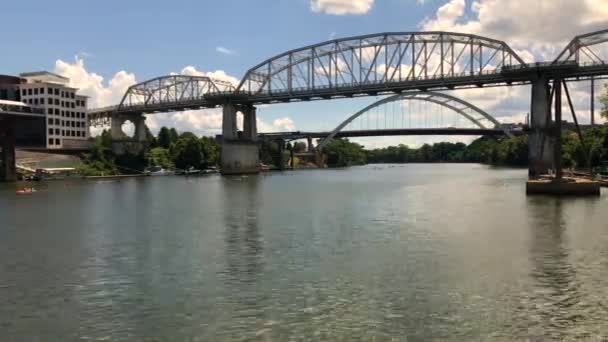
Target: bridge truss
point(376, 63)
point(165, 94)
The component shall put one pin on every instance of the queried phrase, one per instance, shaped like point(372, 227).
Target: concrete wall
point(239, 157)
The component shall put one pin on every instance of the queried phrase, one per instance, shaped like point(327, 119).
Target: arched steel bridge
point(385, 63)
point(468, 111)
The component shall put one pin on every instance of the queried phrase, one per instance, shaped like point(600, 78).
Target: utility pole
point(592, 101)
point(558, 130)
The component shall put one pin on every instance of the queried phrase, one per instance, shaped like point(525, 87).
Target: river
point(449, 252)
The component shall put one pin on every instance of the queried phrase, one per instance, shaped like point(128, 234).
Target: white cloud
point(225, 51)
point(540, 26)
point(341, 7)
point(216, 75)
point(92, 85)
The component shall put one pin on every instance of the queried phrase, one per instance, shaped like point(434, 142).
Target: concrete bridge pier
point(8, 170)
point(240, 153)
point(121, 143)
point(541, 138)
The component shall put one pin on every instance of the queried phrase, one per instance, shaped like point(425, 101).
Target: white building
point(66, 112)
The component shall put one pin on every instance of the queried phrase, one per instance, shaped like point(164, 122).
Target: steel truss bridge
point(378, 64)
point(389, 64)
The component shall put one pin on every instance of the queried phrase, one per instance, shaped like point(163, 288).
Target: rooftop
point(44, 76)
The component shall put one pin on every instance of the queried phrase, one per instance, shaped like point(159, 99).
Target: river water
point(374, 253)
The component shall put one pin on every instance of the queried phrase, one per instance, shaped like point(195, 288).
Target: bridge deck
point(388, 132)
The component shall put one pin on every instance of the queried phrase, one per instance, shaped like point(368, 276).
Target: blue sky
point(127, 41)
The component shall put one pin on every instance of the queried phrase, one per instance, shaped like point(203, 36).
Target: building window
point(50, 131)
point(57, 142)
point(72, 95)
point(50, 100)
point(36, 102)
point(50, 121)
point(29, 91)
point(56, 111)
point(56, 91)
point(50, 141)
point(62, 132)
point(56, 102)
point(50, 110)
point(42, 99)
point(56, 131)
point(50, 91)
point(23, 92)
point(41, 90)
point(35, 91)
point(73, 105)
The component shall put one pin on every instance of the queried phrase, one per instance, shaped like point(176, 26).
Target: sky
point(106, 46)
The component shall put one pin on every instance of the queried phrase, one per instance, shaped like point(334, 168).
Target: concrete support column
point(282, 162)
point(250, 129)
point(140, 128)
point(310, 147)
point(239, 156)
point(8, 170)
point(229, 122)
point(116, 127)
point(540, 143)
point(557, 150)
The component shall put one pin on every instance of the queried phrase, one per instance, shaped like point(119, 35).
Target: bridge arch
point(384, 58)
point(445, 100)
point(174, 90)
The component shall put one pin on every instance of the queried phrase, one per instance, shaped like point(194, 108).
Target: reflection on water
point(386, 253)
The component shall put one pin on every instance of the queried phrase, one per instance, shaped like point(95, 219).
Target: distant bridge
point(400, 122)
point(289, 136)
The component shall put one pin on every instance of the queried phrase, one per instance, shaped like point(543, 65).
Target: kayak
point(26, 191)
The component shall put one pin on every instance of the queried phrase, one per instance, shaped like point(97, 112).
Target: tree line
point(504, 151)
point(169, 149)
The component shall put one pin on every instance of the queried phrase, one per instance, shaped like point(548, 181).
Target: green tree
point(105, 139)
point(187, 152)
point(159, 156)
point(299, 147)
point(99, 161)
point(164, 138)
point(173, 135)
point(211, 151)
point(604, 101)
point(341, 152)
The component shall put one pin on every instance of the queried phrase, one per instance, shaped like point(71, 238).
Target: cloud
point(92, 85)
point(220, 75)
point(225, 51)
point(201, 122)
point(538, 25)
point(341, 7)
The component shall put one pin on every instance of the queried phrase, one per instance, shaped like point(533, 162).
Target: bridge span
point(378, 64)
point(289, 136)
